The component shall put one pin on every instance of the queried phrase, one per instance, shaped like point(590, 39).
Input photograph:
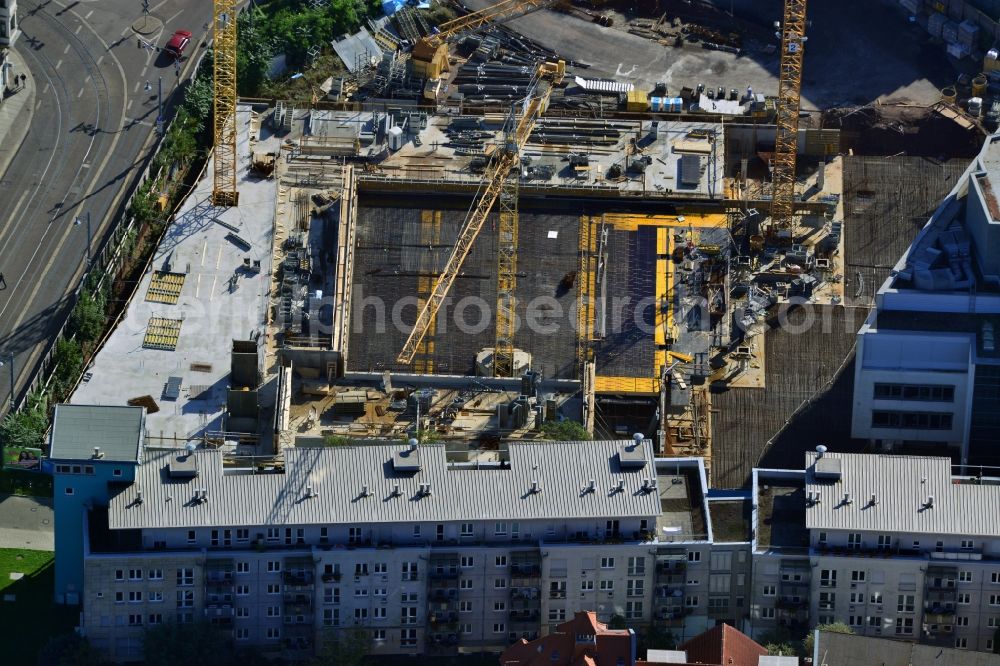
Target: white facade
point(10, 27)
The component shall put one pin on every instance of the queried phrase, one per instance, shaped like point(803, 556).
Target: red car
point(178, 43)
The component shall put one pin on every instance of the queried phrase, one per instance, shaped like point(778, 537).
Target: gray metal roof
point(835, 649)
point(337, 474)
point(361, 43)
point(902, 486)
point(77, 429)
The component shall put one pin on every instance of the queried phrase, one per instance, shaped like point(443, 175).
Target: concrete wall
point(985, 231)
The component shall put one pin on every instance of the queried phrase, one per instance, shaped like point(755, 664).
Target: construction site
point(476, 238)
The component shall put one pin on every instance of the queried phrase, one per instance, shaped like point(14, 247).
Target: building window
point(821, 541)
point(69, 491)
point(499, 627)
point(876, 598)
point(607, 585)
point(500, 583)
point(500, 560)
point(912, 420)
point(966, 577)
point(192, 537)
point(904, 603)
point(273, 566)
point(274, 589)
point(770, 590)
point(409, 571)
point(273, 535)
point(378, 635)
point(828, 578)
point(273, 633)
point(467, 561)
point(856, 620)
point(499, 606)
point(155, 596)
point(135, 574)
point(242, 590)
point(633, 610)
point(185, 577)
point(607, 563)
point(858, 576)
point(185, 599)
point(242, 567)
point(155, 618)
point(116, 471)
point(875, 621)
point(968, 544)
point(119, 597)
point(766, 613)
point(331, 617)
point(964, 598)
point(962, 621)
point(921, 392)
point(694, 556)
point(135, 597)
point(904, 626)
point(962, 643)
point(155, 574)
point(635, 588)
point(379, 613)
point(500, 529)
point(354, 534)
point(557, 614)
point(242, 611)
point(854, 540)
point(637, 566)
point(243, 534)
point(464, 606)
point(360, 568)
point(119, 574)
point(408, 638)
point(691, 600)
point(361, 592)
point(995, 600)
point(135, 620)
point(242, 633)
point(273, 611)
point(466, 530)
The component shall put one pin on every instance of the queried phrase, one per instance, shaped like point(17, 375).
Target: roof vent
point(204, 495)
point(591, 486)
point(310, 492)
point(413, 444)
point(395, 491)
point(98, 453)
point(847, 498)
point(873, 501)
point(190, 447)
point(364, 490)
point(138, 497)
point(407, 459)
point(535, 487)
point(633, 455)
point(930, 502)
point(638, 437)
point(424, 490)
point(816, 498)
point(820, 451)
point(620, 488)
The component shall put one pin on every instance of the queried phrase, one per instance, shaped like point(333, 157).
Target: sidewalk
point(15, 113)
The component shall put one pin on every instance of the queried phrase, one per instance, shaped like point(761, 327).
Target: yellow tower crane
point(224, 192)
point(793, 37)
point(429, 57)
point(499, 183)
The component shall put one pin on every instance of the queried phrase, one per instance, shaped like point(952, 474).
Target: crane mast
point(793, 37)
point(224, 192)
point(496, 181)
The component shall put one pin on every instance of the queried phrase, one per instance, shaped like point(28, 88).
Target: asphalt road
point(91, 132)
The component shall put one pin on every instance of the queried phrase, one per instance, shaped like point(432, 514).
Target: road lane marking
point(88, 15)
point(100, 60)
point(211, 295)
point(129, 105)
point(80, 94)
point(197, 288)
point(135, 88)
point(59, 64)
point(38, 105)
point(144, 70)
point(78, 29)
point(66, 50)
point(204, 252)
point(171, 19)
point(45, 89)
point(218, 260)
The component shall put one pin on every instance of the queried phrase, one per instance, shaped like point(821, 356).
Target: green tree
point(344, 648)
point(26, 427)
point(86, 322)
point(180, 145)
point(564, 431)
point(198, 96)
point(656, 638)
point(69, 650)
point(254, 52)
point(171, 644)
point(833, 627)
point(617, 622)
point(68, 358)
point(781, 649)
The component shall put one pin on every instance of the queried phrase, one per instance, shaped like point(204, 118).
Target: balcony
point(557, 594)
point(671, 566)
point(444, 573)
point(332, 577)
point(443, 594)
point(525, 592)
point(297, 598)
point(219, 610)
point(300, 578)
point(218, 576)
point(440, 618)
point(634, 571)
point(792, 605)
point(524, 615)
point(525, 569)
point(826, 605)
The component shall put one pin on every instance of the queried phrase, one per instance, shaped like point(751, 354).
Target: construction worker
point(3, 281)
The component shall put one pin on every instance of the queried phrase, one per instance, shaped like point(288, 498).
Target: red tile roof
point(609, 647)
point(723, 645)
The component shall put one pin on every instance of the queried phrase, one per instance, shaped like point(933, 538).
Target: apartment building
point(894, 546)
point(928, 368)
point(428, 554)
point(10, 28)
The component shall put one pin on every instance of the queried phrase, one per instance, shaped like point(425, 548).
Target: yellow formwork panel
point(162, 333)
point(165, 287)
point(645, 385)
point(627, 222)
point(662, 234)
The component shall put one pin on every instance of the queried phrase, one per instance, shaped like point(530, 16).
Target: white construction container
point(395, 138)
point(949, 31)
point(957, 51)
point(968, 33)
point(934, 24)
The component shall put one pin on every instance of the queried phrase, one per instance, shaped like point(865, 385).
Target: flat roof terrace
point(197, 296)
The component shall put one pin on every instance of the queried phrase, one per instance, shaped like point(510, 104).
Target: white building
point(10, 29)
point(928, 369)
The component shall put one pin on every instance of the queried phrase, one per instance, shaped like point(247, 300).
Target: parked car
point(178, 43)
